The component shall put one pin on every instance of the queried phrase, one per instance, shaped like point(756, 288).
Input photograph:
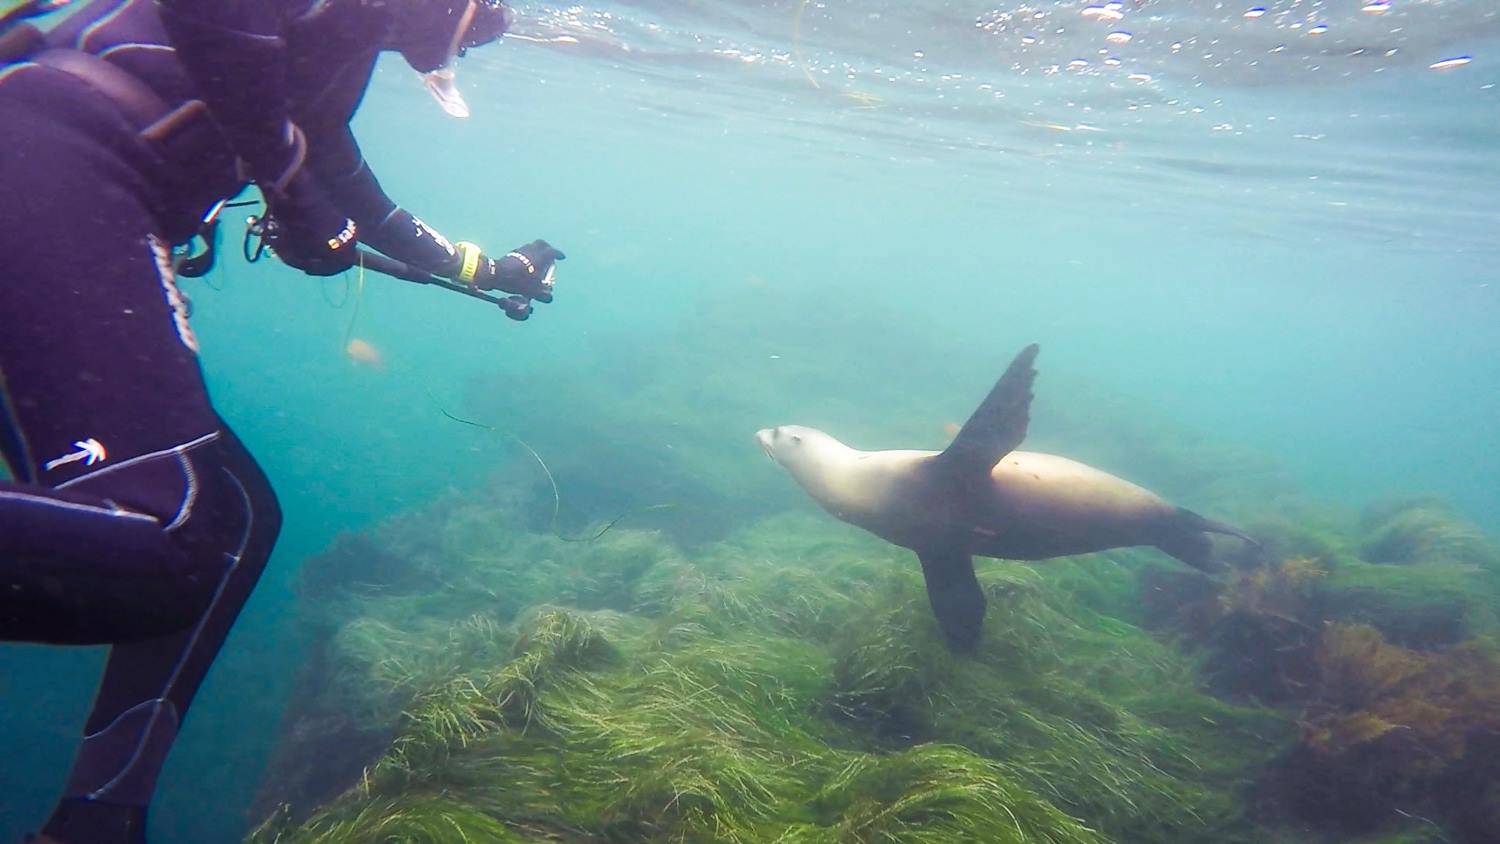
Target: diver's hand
point(310, 234)
point(526, 271)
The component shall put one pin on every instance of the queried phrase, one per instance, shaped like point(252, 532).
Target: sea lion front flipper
point(998, 425)
point(954, 592)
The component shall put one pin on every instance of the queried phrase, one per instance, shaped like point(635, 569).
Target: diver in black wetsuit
point(133, 515)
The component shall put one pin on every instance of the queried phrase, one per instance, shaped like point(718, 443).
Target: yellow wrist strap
point(469, 253)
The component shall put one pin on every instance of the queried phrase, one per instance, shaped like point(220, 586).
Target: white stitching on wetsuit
point(249, 516)
point(107, 727)
point(188, 497)
point(358, 166)
point(394, 211)
point(160, 704)
point(176, 449)
point(234, 563)
point(162, 254)
point(81, 508)
point(192, 641)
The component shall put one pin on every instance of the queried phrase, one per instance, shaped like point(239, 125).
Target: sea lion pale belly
point(980, 497)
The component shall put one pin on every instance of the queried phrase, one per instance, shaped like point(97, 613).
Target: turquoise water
point(1287, 252)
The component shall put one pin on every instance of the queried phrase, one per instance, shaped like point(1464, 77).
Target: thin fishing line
point(220, 269)
point(556, 496)
point(867, 101)
point(797, 43)
point(359, 296)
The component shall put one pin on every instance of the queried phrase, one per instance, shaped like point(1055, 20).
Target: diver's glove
point(526, 272)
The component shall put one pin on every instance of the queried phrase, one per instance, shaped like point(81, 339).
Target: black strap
point(146, 112)
point(140, 105)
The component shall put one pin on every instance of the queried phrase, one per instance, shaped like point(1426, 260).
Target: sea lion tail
point(1212, 526)
point(1187, 540)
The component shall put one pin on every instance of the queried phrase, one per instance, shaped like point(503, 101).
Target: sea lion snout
point(764, 438)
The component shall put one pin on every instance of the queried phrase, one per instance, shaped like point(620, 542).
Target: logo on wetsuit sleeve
point(175, 300)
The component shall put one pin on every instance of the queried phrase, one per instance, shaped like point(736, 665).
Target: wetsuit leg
point(133, 514)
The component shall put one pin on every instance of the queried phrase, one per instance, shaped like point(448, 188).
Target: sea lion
point(980, 496)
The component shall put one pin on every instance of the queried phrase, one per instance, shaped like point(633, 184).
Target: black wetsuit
point(134, 516)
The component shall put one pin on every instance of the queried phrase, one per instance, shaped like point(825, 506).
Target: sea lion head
point(805, 452)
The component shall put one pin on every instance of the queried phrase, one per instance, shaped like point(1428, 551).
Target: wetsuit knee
point(133, 552)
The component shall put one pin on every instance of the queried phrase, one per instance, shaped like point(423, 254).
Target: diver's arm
point(234, 52)
point(335, 157)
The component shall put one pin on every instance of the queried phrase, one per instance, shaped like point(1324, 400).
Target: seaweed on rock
point(940, 793)
point(1083, 707)
point(1429, 578)
point(1423, 530)
point(1391, 733)
point(788, 684)
point(379, 651)
point(425, 819)
point(1434, 582)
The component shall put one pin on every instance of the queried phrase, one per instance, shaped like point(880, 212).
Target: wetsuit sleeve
point(235, 53)
point(341, 168)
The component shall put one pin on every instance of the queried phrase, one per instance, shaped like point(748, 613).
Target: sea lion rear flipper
point(1185, 537)
point(954, 592)
point(998, 425)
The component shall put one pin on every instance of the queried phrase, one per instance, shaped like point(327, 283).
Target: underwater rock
point(319, 751)
point(445, 586)
point(1423, 531)
point(1418, 606)
point(357, 563)
point(1428, 579)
